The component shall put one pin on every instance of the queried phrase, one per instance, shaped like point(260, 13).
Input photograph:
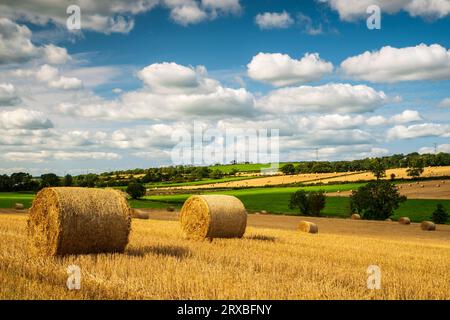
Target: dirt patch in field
point(433, 189)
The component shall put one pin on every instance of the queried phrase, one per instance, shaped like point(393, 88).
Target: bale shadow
point(164, 250)
point(261, 237)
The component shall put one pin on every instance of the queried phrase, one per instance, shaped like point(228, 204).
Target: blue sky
point(110, 95)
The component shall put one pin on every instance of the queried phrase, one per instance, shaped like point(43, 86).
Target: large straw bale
point(78, 221)
point(213, 216)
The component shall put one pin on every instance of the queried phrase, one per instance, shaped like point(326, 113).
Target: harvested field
point(429, 172)
point(414, 190)
point(276, 264)
point(271, 181)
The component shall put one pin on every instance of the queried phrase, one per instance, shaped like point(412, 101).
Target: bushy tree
point(440, 215)
point(378, 168)
point(376, 200)
point(216, 174)
point(288, 169)
point(416, 168)
point(49, 180)
point(22, 181)
point(67, 181)
point(136, 190)
point(309, 203)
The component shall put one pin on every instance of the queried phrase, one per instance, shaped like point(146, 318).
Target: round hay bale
point(78, 221)
point(213, 216)
point(422, 186)
point(428, 226)
point(356, 216)
point(19, 206)
point(308, 227)
point(388, 219)
point(404, 220)
point(438, 186)
point(263, 212)
point(139, 214)
point(170, 209)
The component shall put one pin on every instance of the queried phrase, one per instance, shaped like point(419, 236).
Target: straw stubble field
point(266, 264)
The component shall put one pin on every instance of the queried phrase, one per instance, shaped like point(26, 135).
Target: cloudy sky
point(112, 94)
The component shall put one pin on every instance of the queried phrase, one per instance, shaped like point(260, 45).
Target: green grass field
point(274, 200)
point(8, 199)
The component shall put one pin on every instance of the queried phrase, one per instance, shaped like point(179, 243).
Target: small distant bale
point(388, 219)
point(263, 212)
point(69, 220)
point(438, 186)
point(213, 216)
point(308, 227)
point(356, 216)
point(428, 226)
point(404, 220)
point(339, 191)
point(422, 186)
point(170, 209)
point(139, 214)
point(257, 212)
point(18, 206)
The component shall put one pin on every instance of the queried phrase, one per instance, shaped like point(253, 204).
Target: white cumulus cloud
point(274, 20)
point(281, 70)
point(390, 64)
point(350, 10)
point(24, 119)
point(8, 95)
point(418, 131)
point(336, 97)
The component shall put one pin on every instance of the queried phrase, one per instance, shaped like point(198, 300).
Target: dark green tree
point(136, 190)
point(440, 215)
point(49, 180)
point(416, 168)
point(378, 168)
point(288, 169)
point(309, 203)
point(216, 174)
point(67, 181)
point(376, 200)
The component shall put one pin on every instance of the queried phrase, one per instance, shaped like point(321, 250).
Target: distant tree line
point(415, 160)
point(22, 181)
point(25, 182)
